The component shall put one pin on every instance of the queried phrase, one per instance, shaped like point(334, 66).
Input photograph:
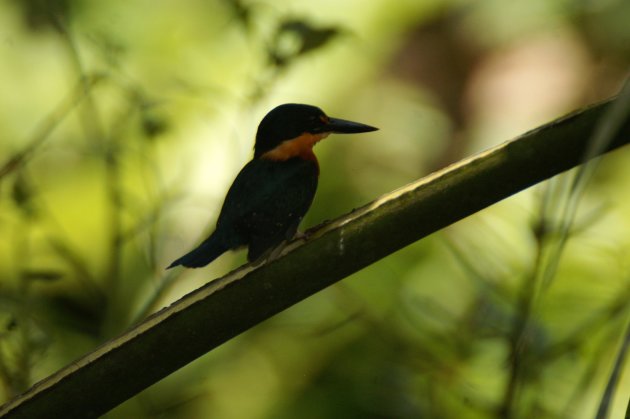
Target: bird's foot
point(269, 255)
point(275, 252)
point(304, 235)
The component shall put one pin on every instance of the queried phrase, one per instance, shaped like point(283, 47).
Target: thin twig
point(50, 122)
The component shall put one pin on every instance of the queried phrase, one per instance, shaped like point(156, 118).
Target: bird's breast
point(301, 146)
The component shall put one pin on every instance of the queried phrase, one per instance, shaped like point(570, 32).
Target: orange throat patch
point(301, 146)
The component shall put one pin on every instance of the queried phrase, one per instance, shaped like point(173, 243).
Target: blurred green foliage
point(123, 123)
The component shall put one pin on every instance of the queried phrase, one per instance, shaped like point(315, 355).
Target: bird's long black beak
point(341, 126)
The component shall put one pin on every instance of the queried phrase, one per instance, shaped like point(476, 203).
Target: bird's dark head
point(292, 129)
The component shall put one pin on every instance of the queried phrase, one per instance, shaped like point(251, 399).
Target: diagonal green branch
point(224, 308)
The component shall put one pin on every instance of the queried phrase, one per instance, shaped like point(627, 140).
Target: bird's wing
point(268, 199)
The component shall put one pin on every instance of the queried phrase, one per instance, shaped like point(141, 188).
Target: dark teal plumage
point(269, 198)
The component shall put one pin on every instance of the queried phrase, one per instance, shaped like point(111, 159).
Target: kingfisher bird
point(273, 192)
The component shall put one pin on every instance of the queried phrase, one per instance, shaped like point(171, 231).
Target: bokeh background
point(123, 123)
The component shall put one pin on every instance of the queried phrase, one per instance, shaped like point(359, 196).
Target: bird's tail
point(205, 253)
